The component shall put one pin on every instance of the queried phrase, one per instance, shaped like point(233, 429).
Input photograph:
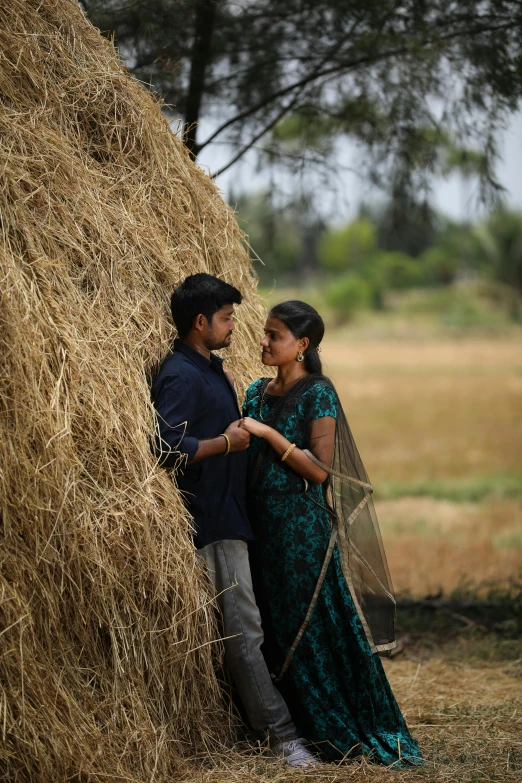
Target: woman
point(319, 554)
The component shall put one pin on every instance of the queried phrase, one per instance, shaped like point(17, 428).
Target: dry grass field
point(466, 714)
point(439, 426)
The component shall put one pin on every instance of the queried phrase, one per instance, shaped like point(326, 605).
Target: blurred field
point(439, 426)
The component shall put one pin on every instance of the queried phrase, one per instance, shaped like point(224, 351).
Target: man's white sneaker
point(294, 753)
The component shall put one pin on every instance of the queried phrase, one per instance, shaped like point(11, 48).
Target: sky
point(454, 197)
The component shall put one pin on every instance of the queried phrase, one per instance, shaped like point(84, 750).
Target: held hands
point(254, 427)
point(239, 438)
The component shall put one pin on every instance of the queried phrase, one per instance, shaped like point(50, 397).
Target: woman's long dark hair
point(303, 321)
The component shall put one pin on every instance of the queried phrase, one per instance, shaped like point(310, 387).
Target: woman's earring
point(300, 356)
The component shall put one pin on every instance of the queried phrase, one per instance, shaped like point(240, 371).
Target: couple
point(285, 481)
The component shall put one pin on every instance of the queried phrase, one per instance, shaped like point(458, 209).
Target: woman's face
point(279, 344)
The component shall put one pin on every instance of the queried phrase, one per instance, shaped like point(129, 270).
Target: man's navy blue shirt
point(195, 401)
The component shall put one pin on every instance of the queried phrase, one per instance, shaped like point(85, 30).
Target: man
point(198, 432)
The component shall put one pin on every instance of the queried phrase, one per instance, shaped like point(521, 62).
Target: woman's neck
point(288, 374)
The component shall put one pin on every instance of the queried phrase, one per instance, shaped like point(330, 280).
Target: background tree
point(350, 247)
point(499, 241)
point(382, 72)
point(274, 234)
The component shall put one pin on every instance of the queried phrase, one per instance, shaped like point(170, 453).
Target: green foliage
point(276, 235)
point(498, 249)
point(457, 307)
point(351, 247)
point(397, 270)
point(508, 540)
point(347, 295)
point(301, 129)
point(466, 312)
point(312, 127)
point(354, 248)
point(467, 162)
point(501, 245)
point(470, 490)
point(403, 223)
point(438, 266)
point(473, 271)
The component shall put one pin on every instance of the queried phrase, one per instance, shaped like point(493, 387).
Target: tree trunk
point(200, 59)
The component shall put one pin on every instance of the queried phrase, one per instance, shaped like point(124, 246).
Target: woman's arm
point(322, 436)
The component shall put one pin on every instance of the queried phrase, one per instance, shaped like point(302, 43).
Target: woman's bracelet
point(228, 443)
point(287, 452)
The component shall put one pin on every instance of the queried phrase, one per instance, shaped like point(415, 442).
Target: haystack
point(107, 644)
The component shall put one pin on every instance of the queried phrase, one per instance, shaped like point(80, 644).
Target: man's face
point(220, 328)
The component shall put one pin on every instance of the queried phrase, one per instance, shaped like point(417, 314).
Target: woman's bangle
point(228, 443)
point(287, 452)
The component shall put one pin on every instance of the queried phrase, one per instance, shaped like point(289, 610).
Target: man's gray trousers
point(230, 573)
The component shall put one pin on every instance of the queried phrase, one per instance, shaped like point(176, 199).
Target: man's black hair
point(203, 294)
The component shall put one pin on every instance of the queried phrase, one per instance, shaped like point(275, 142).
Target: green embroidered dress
point(335, 687)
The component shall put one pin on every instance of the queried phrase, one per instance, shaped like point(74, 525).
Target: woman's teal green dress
point(335, 687)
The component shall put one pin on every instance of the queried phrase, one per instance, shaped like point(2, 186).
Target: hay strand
point(107, 643)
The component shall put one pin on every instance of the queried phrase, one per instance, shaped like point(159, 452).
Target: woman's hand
point(254, 427)
point(296, 459)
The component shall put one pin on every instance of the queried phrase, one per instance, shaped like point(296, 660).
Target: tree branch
point(286, 109)
point(256, 138)
point(200, 58)
point(339, 68)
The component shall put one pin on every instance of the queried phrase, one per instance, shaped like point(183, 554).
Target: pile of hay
point(106, 633)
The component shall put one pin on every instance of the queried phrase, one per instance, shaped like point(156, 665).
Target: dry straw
point(106, 634)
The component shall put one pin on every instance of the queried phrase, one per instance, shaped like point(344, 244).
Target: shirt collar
point(195, 357)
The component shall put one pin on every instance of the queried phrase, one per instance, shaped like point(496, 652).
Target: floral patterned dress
point(335, 687)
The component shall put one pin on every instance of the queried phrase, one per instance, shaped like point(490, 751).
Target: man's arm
point(175, 404)
point(219, 445)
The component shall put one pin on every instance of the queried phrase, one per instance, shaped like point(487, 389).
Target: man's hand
point(239, 441)
point(238, 437)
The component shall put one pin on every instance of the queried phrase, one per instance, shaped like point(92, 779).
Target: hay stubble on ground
point(465, 712)
point(107, 636)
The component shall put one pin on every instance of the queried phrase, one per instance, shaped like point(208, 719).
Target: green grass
point(472, 490)
point(508, 540)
